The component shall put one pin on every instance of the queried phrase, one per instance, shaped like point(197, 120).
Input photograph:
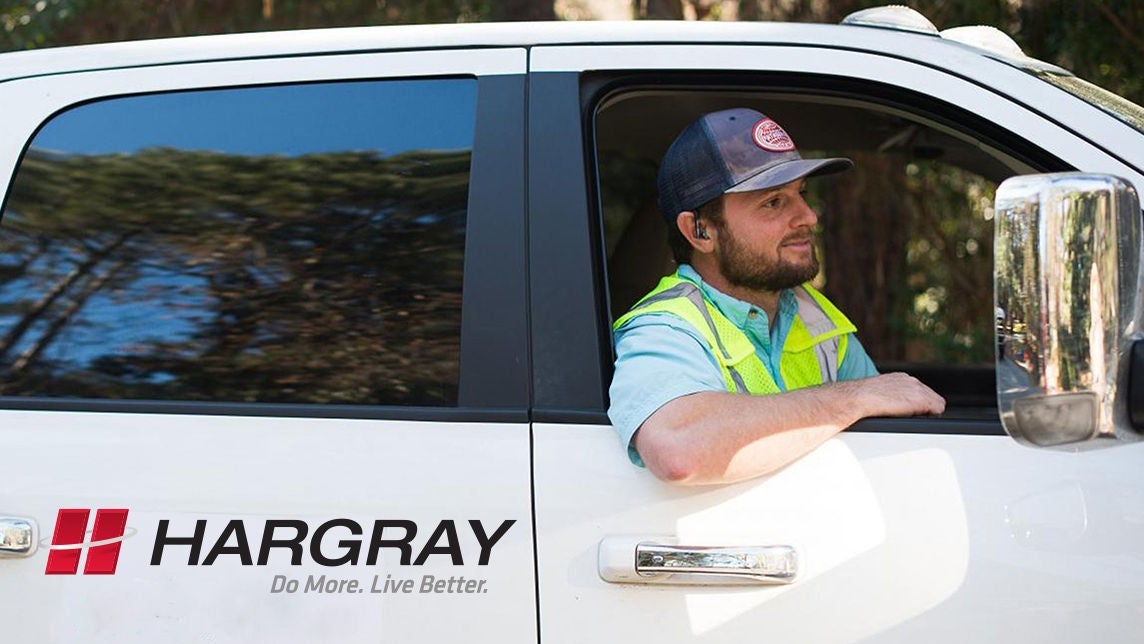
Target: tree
point(27, 24)
point(1098, 39)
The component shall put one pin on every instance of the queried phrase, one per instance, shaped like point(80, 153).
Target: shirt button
point(752, 314)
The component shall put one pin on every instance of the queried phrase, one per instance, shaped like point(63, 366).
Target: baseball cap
point(735, 150)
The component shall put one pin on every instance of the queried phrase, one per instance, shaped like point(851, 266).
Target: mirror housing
point(1067, 280)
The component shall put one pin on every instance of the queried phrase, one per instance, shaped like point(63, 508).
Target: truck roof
point(62, 60)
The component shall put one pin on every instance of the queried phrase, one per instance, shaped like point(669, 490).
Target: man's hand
point(718, 437)
point(894, 394)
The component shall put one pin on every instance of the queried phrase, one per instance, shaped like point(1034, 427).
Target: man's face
point(766, 238)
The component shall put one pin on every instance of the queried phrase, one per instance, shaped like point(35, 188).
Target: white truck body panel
point(184, 468)
point(901, 538)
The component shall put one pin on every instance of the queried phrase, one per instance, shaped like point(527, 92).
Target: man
point(738, 318)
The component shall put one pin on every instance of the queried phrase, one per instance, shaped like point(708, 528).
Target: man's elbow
point(673, 458)
point(676, 471)
point(668, 457)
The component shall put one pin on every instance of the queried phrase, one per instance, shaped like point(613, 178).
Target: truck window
point(286, 244)
point(905, 237)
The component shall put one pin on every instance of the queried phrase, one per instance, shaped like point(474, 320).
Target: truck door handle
point(17, 536)
point(658, 561)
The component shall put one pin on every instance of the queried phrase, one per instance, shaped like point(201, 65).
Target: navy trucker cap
point(736, 150)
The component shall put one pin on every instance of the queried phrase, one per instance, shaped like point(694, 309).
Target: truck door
point(252, 316)
point(934, 529)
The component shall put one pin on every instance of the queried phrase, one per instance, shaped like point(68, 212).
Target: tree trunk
point(62, 286)
point(661, 9)
point(519, 10)
point(34, 350)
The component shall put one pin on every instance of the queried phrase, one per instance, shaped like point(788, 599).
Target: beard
point(744, 269)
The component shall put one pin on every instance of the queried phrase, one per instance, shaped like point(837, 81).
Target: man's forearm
point(718, 437)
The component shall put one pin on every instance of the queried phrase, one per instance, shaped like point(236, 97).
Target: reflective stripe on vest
point(814, 347)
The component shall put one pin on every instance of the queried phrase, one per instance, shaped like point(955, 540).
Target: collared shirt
point(659, 357)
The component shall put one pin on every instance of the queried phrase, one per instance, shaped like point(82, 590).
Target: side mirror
point(1067, 282)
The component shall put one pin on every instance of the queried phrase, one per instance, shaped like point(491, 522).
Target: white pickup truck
point(306, 337)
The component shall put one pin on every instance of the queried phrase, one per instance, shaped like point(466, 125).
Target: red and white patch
point(769, 136)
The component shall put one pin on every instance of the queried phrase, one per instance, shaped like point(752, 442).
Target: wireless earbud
point(700, 231)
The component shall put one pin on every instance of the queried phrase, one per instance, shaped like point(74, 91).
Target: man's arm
point(716, 437)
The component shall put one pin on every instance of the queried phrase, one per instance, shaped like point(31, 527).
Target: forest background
point(1100, 40)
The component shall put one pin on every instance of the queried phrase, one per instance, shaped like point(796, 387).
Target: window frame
point(493, 385)
point(596, 73)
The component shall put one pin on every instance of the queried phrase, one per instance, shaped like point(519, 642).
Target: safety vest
point(814, 347)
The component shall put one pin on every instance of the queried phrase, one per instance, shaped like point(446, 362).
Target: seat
point(640, 258)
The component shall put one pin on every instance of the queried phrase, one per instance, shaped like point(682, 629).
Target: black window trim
point(494, 364)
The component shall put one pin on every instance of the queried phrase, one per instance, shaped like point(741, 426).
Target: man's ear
point(694, 230)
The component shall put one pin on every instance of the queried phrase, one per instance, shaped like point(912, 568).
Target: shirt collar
point(734, 309)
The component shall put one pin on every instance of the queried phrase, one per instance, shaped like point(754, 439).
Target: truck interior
point(905, 239)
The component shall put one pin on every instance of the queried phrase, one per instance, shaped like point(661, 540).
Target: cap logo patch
point(769, 136)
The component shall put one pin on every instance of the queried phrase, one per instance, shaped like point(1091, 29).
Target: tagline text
point(424, 585)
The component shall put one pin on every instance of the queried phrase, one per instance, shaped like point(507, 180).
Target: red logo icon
point(68, 541)
point(769, 136)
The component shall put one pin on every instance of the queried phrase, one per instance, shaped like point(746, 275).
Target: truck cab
point(306, 336)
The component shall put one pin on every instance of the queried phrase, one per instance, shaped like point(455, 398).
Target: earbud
point(700, 231)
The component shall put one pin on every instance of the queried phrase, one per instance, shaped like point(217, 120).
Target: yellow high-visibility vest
point(811, 353)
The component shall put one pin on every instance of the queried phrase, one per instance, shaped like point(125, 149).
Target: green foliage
point(949, 265)
point(27, 24)
point(43, 23)
point(1100, 40)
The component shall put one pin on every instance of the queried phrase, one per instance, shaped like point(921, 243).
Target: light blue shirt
point(659, 357)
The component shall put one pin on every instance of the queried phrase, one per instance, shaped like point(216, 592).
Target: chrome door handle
point(661, 561)
point(17, 536)
point(777, 564)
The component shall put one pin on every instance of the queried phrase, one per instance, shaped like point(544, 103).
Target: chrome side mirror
point(1067, 283)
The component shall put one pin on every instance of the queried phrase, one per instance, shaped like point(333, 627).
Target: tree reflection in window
point(186, 274)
